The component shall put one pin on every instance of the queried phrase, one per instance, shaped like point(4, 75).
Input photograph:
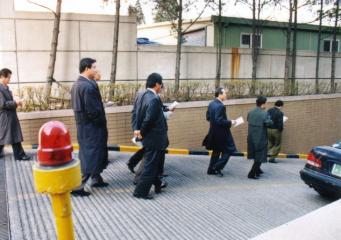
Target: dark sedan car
point(323, 170)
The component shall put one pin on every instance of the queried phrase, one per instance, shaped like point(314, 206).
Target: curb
point(174, 151)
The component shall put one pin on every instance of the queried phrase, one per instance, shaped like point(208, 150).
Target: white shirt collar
point(85, 77)
point(150, 89)
point(219, 100)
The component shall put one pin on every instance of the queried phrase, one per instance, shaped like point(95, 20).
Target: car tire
point(326, 193)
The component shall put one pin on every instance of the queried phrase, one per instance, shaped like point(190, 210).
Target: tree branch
point(55, 14)
point(195, 20)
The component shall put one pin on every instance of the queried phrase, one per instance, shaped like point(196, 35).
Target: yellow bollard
point(56, 173)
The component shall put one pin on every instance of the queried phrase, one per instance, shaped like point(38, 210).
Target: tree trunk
point(294, 52)
point(288, 53)
point(178, 49)
point(317, 69)
point(332, 77)
point(254, 50)
point(53, 53)
point(115, 50)
point(219, 45)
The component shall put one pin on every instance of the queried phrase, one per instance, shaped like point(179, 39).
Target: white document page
point(239, 121)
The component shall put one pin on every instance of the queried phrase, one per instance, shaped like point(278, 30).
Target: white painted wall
point(25, 44)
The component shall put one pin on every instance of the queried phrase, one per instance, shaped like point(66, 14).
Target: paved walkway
point(194, 206)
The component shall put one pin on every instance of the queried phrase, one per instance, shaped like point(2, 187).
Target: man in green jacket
point(257, 139)
point(275, 131)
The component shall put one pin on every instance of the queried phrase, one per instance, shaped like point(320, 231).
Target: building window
point(246, 40)
point(327, 45)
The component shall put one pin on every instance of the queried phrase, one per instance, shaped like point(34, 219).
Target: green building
point(237, 33)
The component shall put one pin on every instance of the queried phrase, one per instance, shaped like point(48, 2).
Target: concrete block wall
point(313, 120)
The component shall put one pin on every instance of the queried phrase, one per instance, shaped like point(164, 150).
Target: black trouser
point(136, 158)
point(255, 169)
point(160, 167)
point(150, 173)
point(18, 150)
point(95, 178)
point(217, 163)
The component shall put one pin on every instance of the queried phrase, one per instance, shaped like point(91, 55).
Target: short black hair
point(218, 91)
point(5, 72)
point(260, 101)
point(279, 103)
point(85, 63)
point(153, 79)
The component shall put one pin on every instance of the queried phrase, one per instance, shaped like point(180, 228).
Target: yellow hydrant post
point(57, 173)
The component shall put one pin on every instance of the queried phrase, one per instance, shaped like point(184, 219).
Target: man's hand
point(137, 133)
point(233, 122)
point(18, 102)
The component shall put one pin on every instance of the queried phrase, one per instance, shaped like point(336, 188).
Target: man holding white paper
point(219, 137)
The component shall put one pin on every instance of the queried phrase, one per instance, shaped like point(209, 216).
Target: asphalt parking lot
point(193, 206)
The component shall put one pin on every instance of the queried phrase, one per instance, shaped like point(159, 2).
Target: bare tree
point(334, 46)
point(175, 13)
point(294, 50)
point(54, 45)
point(115, 49)
point(317, 68)
point(219, 46)
point(256, 8)
point(288, 51)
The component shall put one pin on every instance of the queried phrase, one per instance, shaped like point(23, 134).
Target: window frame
point(250, 45)
point(331, 45)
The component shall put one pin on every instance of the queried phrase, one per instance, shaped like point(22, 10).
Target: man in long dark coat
point(10, 130)
point(153, 129)
point(257, 138)
point(219, 137)
point(92, 133)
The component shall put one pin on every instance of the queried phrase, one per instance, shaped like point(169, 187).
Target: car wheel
point(326, 193)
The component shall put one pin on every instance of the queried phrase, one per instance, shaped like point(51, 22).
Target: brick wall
point(313, 120)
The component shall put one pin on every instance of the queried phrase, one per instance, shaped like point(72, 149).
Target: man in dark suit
point(219, 137)
point(137, 157)
point(153, 129)
point(275, 131)
point(92, 133)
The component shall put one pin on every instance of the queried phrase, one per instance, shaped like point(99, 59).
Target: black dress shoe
point(211, 172)
point(99, 184)
point(272, 160)
point(131, 168)
point(80, 193)
point(2, 155)
point(219, 173)
point(24, 158)
point(159, 187)
point(148, 197)
point(252, 177)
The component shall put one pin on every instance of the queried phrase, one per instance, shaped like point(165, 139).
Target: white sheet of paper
point(108, 104)
point(285, 118)
point(167, 114)
point(137, 143)
point(173, 105)
point(239, 121)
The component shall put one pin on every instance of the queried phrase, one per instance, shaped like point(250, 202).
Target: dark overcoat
point(10, 130)
point(219, 137)
point(92, 133)
point(151, 122)
point(257, 138)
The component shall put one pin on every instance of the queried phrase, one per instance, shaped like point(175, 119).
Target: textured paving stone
point(193, 206)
